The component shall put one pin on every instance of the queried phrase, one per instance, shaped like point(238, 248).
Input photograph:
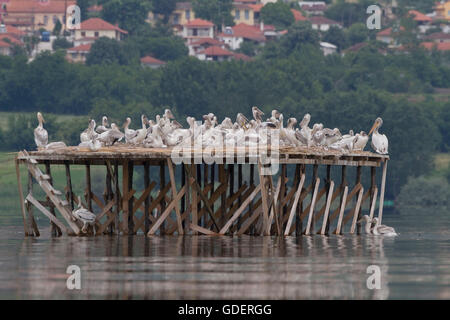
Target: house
point(5, 48)
point(9, 30)
point(327, 48)
point(151, 62)
point(323, 24)
point(423, 21)
point(78, 53)
point(182, 14)
point(94, 28)
point(313, 8)
point(234, 36)
point(215, 53)
point(438, 37)
point(444, 46)
point(442, 9)
point(388, 36)
point(298, 16)
point(202, 44)
point(246, 13)
point(197, 29)
point(29, 15)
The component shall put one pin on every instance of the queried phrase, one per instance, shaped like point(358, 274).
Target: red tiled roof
point(298, 16)
point(387, 32)
point(216, 51)
point(256, 7)
point(314, 7)
point(99, 24)
point(241, 56)
point(208, 41)
point(14, 31)
point(151, 60)
point(32, 6)
point(4, 44)
point(246, 31)
point(444, 46)
point(199, 23)
point(356, 47)
point(10, 39)
point(322, 20)
point(81, 48)
point(439, 36)
point(419, 16)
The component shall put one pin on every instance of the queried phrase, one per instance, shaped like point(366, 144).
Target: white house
point(94, 28)
point(197, 29)
point(323, 24)
point(327, 48)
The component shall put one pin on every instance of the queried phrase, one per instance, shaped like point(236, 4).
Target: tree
point(61, 43)
point(164, 8)
point(299, 35)
point(348, 13)
point(357, 33)
point(337, 36)
point(129, 14)
point(217, 11)
point(57, 28)
point(84, 5)
point(278, 14)
point(110, 51)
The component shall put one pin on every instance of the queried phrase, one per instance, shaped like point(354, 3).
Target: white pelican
point(108, 138)
point(104, 126)
point(168, 115)
point(84, 215)
point(129, 133)
point(379, 141)
point(331, 136)
point(241, 120)
point(383, 230)
point(140, 133)
point(368, 226)
point(304, 134)
point(55, 145)
point(40, 134)
point(89, 133)
point(361, 140)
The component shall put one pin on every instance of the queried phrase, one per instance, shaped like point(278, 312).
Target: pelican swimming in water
point(40, 134)
point(379, 141)
point(84, 215)
point(104, 126)
point(382, 230)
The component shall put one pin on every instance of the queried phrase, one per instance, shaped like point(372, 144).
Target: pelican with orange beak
point(379, 141)
point(40, 134)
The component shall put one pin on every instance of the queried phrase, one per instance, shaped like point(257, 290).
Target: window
point(55, 19)
point(83, 34)
point(96, 34)
point(45, 20)
point(188, 14)
point(247, 15)
point(237, 14)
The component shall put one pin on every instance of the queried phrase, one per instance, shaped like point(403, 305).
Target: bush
point(423, 192)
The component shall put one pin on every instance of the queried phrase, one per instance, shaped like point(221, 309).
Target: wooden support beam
point(205, 231)
point(130, 198)
point(256, 210)
point(312, 206)
point(166, 212)
point(174, 193)
point(295, 204)
point(147, 212)
point(27, 229)
point(383, 187)
point(162, 182)
point(357, 208)
point(116, 195)
point(240, 210)
point(88, 188)
point(373, 203)
point(49, 215)
point(265, 198)
point(325, 224)
point(275, 208)
point(69, 195)
point(194, 204)
point(125, 199)
point(341, 212)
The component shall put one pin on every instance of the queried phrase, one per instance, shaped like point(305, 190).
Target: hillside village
point(37, 25)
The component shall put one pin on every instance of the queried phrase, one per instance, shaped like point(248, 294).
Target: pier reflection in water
point(203, 267)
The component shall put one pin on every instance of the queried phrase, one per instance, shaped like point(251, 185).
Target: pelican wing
point(380, 143)
point(40, 137)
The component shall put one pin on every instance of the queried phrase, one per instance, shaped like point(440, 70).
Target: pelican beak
point(375, 125)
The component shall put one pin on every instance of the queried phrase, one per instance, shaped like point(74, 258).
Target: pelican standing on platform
point(40, 134)
point(379, 141)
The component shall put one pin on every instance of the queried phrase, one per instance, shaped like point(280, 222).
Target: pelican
point(108, 138)
point(93, 145)
point(382, 230)
point(40, 134)
point(140, 133)
point(379, 141)
point(360, 142)
point(168, 115)
point(368, 227)
point(104, 126)
point(84, 215)
point(129, 133)
point(89, 133)
point(55, 145)
point(275, 116)
point(304, 134)
point(241, 120)
point(331, 136)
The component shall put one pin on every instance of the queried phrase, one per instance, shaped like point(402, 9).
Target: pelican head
point(114, 126)
point(291, 122)
point(275, 114)
point(92, 124)
point(365, 218)
point(168, 114)
point(127, 122)
point(378, 123)
point(306, 120)
point(105, 121)
point(40, 118)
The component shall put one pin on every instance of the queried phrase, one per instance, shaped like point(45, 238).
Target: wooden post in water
point(162, 183)
point(147, 212)
point(383, 187)
point(56, 231)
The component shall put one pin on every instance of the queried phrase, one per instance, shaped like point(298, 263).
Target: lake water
point(415, 265)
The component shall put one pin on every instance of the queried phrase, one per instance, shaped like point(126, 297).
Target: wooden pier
point(199, 198)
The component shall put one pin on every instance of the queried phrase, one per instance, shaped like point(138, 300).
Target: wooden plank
point(256, 210)
point(49, 215)
point(166, 212)
point(194, 204)
point(355, 215)
point(327, 208)
point(105, 210)
point(341, 212)
point(197, 228)
point(383, 186)
point(373, 204)
point(147, 212)
point(264, 197)
point(240, 210)
point(22, 201)
point(294, 205)
point(311, 210)
point(49, 182)
point(274, 208)
point(174, 193)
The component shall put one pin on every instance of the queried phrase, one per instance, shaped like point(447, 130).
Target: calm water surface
point(415, 265)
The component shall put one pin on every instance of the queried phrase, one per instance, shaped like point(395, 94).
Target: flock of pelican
point(165, 131)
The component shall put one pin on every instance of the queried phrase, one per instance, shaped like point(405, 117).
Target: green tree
point(129, 14)
point(110, 51)
point(61, 43)
point(337, 36)
point(57, 28)
point(357, 32)
point(217, 11)
point(278, 14)
point(164, 8)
